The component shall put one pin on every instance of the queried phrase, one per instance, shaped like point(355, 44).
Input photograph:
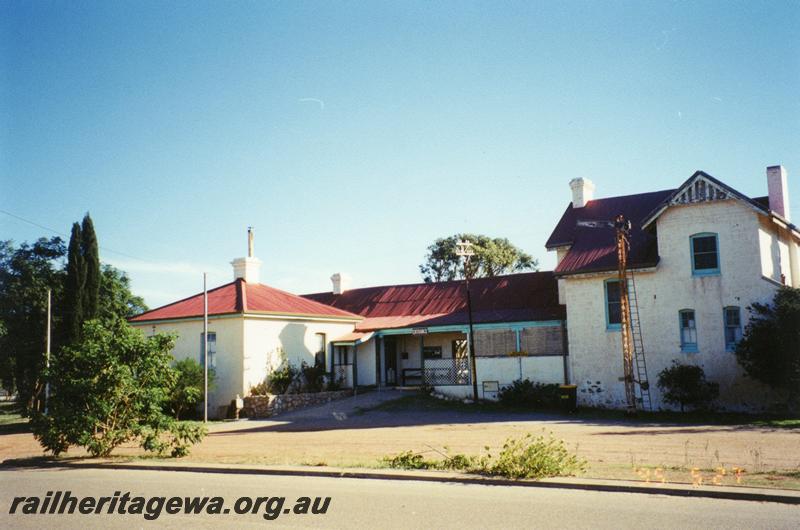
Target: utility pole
point(465, 249)
point(47, 351)
point(205, 350)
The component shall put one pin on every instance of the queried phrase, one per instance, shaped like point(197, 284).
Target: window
point(688, 330)
point(733, 327)
point(613, 305)
point(212, 349)
point(705, 254)
point(319, 353)
point(432, 352)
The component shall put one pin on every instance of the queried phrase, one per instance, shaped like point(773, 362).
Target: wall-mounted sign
point(419, 331)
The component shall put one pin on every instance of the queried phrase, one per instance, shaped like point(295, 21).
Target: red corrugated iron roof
point(512, 298)
point(242, 297)
point(594, 249)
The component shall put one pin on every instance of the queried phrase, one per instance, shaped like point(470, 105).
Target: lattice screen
point(542, 340)
point(489, 342)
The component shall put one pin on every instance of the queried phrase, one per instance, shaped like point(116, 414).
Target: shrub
point(525, 393)
point(187, 391)
point(110, 388)
point(313, 377)
point(526, 457)
point(686, 385)
point(281, 378)
point(770, 347)
point(535, 457)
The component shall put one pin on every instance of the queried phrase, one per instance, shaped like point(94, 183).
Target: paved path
point(362, 503)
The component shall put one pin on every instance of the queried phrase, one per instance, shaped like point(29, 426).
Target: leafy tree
point(187, 391)
point(110, 388)
point(91, 260)
point(686, 385)
point(770, 347)
point(493, 257)
point(26, 273)
point(73, 289)
point(116, 298)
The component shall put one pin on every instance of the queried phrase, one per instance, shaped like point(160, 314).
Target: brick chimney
point(778, 191)
point(341, 283)
point(247, 268)
point(582, 191)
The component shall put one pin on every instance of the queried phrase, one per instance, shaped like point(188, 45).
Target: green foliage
point(535, 457)
point(116, 298)
point(110, 388)
point(493, 257)
point(26, 273)
point(187, 391)
point(686, 385)
point(91, 261)
point(73, 289)
point(313, 377)
point(525, 457)
point(770, 347)
point(526, 394)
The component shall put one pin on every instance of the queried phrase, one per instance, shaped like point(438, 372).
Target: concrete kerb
point(571, 483)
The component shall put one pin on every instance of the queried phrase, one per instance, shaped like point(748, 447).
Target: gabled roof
point(513, 298)
point(242, 297)
point(594, 249)
point(702, 187)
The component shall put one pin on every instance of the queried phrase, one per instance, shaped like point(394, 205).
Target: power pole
point(465, 250)
point(205, 350)
point(47, 352)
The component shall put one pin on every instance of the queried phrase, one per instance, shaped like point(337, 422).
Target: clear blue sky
point(352, 134)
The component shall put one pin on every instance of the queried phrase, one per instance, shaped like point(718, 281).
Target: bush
point(525, 393)
point(187, 391)
point(535, 457)
point(110, 388)
point(313, 377)
point(526, 457)
point(686, 385)
point(279, 381)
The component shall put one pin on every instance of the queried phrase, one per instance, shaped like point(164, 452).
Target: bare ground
point(346, 435)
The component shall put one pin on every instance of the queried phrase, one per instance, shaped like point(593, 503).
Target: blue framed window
point(688, 327)
point(733, 326)
point(212, 349)
point(613, 305)
point(705, 254)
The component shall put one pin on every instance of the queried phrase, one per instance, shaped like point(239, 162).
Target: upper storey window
point(705, 254)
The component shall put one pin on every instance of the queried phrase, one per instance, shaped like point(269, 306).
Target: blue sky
point(352, 134)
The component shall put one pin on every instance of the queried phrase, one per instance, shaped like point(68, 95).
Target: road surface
point(364, 503)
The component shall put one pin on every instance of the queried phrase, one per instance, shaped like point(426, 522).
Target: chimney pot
point(778, 191)
point(582, 191)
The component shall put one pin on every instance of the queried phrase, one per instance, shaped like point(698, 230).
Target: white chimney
point(778, 191)
point(247, 268)
point(341, 282)
point(582, 191)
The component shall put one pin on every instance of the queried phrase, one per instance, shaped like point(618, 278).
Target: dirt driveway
point(344, 434)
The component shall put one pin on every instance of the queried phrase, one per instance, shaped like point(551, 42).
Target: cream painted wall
point(229, 331)
point(264, 337)
point(595, 353)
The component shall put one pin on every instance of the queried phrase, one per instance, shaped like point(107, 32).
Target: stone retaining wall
point(271, 405)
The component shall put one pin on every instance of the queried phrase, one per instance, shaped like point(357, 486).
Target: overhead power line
point(53, 230)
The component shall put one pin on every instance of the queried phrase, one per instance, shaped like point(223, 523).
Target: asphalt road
point(361, 503)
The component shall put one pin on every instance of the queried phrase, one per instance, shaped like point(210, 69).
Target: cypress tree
point(73, 290)
point(91, 260)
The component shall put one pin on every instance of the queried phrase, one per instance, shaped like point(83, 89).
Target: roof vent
point(582, 191)
point(778, 191)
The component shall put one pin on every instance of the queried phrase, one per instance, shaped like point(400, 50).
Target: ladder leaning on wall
point(637, 386)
